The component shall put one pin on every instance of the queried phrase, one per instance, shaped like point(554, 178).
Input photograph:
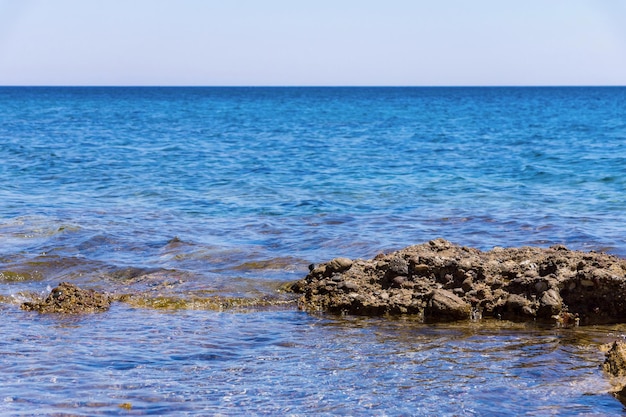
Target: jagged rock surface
point(615, 366)
point(441, 281)
point(70, 299)
point(615, 362)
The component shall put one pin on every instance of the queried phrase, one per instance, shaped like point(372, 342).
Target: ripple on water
point(288, 362)
point(259, 183)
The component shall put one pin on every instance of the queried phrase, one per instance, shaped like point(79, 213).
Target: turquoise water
point(193, 192)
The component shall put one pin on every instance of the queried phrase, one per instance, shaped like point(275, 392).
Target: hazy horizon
point(321, 43)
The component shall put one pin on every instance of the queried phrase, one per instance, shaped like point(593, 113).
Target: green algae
point(19, 276)
point(214, 303)
point(281, 263)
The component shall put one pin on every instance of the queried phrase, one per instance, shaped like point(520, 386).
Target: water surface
point(191, 193)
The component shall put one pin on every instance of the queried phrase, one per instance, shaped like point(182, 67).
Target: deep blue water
point(233, 191)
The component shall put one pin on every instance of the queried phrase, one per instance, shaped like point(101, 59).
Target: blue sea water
point(191, 192)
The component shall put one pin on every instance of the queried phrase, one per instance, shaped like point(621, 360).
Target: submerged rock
point(441, 281)
point(615, 365)
point(68, 298)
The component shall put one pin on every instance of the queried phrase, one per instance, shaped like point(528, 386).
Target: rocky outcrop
point(68, 298)
point(440, 281)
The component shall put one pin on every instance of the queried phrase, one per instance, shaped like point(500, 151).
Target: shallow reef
point(70, 299)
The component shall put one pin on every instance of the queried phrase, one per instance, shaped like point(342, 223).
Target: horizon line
point(308, 86)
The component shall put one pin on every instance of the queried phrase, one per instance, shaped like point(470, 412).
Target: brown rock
point(524, 283)
point(348, 286)
point(518, 306)
point(398, 281)
point(339, 264)
point(615, 361)
point(550, 304)
point(398, 266)
point(420, 269)
point(467, 283)
point(70, 299)
point(444, 305)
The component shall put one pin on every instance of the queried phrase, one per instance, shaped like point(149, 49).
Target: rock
point(526, 283)
point(445, 305)
point(615, 361)
point(567, 320)
point(517, 306)
point(550, 304)
point(620, 394)
point(398, 266)
point(615, 365)
point(440, 244)
point(420, 269)
point(339, 264)
point(398, 281)
point(467, 283)
point(540, 286)
point(70, 299)
point(348, 286)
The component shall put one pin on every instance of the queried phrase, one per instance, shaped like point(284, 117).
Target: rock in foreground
point(615, 361)
point(615, 366)
point(440, 281)
point(68, 298)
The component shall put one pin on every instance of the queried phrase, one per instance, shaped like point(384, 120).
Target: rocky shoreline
point(436, 281)
point(440, 281)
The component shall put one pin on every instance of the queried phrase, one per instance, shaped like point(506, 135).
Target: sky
point(313, 42)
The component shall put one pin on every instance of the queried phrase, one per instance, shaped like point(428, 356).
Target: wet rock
point(615, 366)
point(445, 305)
point(526, 283)
point(615, 361)
point(567, 319)
point(550, 304)
point(517, 306)
point(68, 298)
point(620, 394)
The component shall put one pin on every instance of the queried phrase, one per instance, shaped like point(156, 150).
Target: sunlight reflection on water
point(183, 194)
point(195, 362)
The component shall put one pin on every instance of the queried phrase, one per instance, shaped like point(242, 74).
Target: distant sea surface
point(185, 194)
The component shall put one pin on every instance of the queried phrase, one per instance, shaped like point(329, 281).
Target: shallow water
point(292, 363)
point(182, 195)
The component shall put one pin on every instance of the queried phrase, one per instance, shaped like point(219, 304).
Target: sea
point(201, 203)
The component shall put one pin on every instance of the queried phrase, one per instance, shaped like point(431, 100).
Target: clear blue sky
point(312, 42)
